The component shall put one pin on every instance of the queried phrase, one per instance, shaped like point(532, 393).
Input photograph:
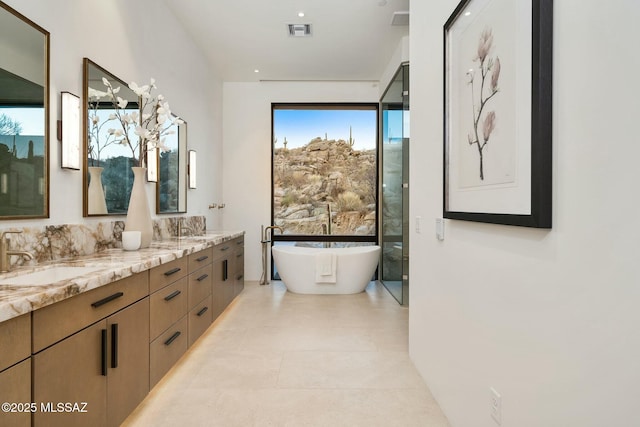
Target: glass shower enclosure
point(394, 212)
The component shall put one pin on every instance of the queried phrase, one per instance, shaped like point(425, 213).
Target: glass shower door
point(395, 188)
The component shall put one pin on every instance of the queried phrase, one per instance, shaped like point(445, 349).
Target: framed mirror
point(171, 190)
point(107, 174)
point(24, 109)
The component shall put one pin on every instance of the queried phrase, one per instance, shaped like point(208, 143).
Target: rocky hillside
point(325, 178)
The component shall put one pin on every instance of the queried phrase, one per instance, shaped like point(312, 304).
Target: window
point(324, 173)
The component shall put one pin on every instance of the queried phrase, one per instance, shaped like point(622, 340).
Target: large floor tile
point(279, 359)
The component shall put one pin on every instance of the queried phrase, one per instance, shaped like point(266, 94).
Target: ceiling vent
point(299, 30)
point(400, 18)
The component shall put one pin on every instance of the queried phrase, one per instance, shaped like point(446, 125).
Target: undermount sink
point(49, 275)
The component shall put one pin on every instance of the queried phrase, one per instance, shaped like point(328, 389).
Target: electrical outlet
point(495, 405)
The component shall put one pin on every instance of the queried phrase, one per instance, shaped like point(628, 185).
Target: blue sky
point(301, 126)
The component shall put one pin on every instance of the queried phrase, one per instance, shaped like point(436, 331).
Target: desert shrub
point(288, 199)
point(348, 201)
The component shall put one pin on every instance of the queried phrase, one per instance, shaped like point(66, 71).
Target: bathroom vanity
point(87, 349)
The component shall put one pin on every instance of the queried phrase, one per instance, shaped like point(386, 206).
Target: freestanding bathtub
point(354, 268)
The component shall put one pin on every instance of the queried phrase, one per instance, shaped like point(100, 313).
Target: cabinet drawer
point(165, 350)
point(200, 259)
point(15, 337)
point(200, 317)
point(15, 387)
point(57, 321)
point(200, 285)
point(223, 249)
point(168, 305)
point(239, 261)
point(165, 274)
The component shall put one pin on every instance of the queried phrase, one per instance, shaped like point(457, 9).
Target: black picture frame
point(472, 193)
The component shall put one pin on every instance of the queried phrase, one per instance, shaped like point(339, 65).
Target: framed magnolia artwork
point(497, 112)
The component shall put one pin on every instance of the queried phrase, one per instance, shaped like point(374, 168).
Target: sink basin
point(49, 276)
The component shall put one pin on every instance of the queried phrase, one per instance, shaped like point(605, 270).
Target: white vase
point(138, 214)
point(96, 203)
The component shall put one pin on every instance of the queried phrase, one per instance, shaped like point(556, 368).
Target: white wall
point(247, 149)
point(550, 319)
point(400, 55)
point(135, 41)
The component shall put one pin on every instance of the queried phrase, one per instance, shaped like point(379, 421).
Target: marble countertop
point(110, 265)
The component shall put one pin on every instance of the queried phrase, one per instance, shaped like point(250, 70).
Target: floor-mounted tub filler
point(306, 270)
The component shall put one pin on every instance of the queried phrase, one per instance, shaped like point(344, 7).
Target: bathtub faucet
point(267, 234)
point(266, 238)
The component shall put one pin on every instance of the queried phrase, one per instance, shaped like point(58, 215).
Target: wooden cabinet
point(104, 365)
point(238, 266)
point(168, 321)
point(15, 370)
point(228, 273)
point(89, 360)
point(165, 350)
point(200, 291)
point(168, 305)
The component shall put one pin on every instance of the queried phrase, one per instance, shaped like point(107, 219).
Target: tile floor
point(280, 359)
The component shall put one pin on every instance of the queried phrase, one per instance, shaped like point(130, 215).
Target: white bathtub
point(354, 268)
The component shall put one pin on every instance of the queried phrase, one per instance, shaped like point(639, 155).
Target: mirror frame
point(182, 132)
point(46, 98)
point(86, 63)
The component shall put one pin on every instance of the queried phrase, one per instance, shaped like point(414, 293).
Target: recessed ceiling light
point(467, 13)
point(301, 14)
point(256, 71)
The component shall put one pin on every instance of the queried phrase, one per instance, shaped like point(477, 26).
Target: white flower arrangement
point(142, 130)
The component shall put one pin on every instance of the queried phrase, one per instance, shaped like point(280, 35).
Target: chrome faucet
point(5, 253)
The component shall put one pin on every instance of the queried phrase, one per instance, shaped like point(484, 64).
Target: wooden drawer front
point(239, 261)
point(165, 351)
point(223, 249)
point(238, 242)
point(200, 284)
point(57, 321)
point(15, 387)
point(200, 259)
point(15, 338)
point(200, 317)
point(165, 274)
point(168, 305)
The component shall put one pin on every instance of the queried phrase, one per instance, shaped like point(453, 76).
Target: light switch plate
point(440, 228)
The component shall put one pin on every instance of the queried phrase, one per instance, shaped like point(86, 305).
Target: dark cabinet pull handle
point(103, 362)
point(226, 248)
point(172, 295)
point(225, 275)
point(203, 311)
point(240, 277)
point(240, 242)
point(110, 298)
point(172, 271)
point(172, 338)
point(114, 345)
point(202, 258)
point(239, 255)
point(201, 278)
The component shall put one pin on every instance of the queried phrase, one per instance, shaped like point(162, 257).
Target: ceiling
point(350, 39)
